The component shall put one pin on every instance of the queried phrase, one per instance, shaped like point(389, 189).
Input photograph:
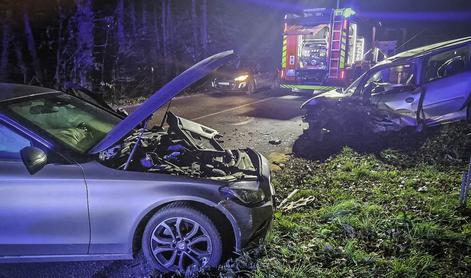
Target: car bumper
point(254, 222)
point(230, 86)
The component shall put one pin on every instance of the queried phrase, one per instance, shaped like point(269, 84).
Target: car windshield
point(69, 120)
point(351, 89)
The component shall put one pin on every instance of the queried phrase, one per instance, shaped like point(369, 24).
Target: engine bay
point(184, 148)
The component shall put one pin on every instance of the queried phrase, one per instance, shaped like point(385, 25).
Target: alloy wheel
point(181, 245)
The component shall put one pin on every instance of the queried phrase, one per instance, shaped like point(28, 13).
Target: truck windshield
point(69, 120)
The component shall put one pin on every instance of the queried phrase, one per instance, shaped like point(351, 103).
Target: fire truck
point(321, 50)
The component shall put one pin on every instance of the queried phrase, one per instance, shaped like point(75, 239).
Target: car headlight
point(241, 78)
point(245, 193)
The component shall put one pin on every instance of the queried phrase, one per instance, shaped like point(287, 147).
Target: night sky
point(254, 27)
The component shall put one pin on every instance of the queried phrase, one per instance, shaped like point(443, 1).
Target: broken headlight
point(245, 192)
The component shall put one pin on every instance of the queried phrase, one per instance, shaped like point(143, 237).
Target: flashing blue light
point(418, 16)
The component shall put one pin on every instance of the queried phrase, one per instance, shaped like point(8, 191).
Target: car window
point(448, 63)
point(391, 77)
point(69, 120)
point(11, 143)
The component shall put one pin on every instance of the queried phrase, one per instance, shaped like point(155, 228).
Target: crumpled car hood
point(161, 97)
point(331, 95)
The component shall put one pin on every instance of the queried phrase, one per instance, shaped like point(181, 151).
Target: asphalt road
point(244, 121)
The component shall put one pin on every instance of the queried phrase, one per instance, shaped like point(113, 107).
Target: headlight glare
point(241, 78)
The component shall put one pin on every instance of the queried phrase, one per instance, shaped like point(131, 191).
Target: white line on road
point(233, 108)
point(244, 122)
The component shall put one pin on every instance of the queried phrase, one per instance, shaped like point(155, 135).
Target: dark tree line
point(119, 46)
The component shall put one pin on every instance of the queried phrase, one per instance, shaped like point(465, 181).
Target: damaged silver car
point(80, 181)
point(418, 88)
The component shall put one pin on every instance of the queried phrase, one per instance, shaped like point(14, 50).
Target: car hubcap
point(181, 245)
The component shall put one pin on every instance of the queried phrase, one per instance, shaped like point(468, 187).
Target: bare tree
point(31, 44)
point(120, 34)
point(194, 23)
point(6, 41)
point(204, 27)
point(84, 59)
point(143, 17)
point(164, 35)
point(20, 60)
point(132, 16)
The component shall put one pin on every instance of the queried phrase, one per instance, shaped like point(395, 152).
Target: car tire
point(251, 87)
point(196, 244)
point(468, 113)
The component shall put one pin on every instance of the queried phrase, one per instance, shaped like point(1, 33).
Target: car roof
point(428, 49)
point(10, 91)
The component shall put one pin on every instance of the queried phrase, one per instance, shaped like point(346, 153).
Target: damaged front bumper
point(253, 222)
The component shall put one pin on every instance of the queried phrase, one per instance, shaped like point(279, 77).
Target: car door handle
point(410, 99)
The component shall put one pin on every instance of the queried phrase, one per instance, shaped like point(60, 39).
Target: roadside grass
point(372, 215)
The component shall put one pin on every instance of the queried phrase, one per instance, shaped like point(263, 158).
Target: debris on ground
point(275, 141)
point(277, 160)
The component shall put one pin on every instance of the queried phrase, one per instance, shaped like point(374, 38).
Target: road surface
point(244, 121)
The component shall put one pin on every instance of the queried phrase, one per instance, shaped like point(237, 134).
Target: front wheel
point(181, 240)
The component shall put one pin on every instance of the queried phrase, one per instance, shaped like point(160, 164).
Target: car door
point(447, 85)
point(393, 90)
point(41, 214)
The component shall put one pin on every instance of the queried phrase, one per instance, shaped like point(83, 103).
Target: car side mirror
point(34, 159)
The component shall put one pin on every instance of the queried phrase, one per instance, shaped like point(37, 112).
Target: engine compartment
point(184, 148)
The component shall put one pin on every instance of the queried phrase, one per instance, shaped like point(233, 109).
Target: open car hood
point(161, 97)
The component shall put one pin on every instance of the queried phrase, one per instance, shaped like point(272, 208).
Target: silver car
point(81, 182)
point(422, 87)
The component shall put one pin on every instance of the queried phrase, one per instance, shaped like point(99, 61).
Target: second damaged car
point(81, 182)
point(422, 87)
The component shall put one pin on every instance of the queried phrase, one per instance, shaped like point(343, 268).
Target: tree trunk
point(31, 43)
point(132, 16)
point(6, 41)
point(170, 37)
point(85, 42)
point(60, 43)
point(143, 17)
point(204, 27)
point(194, 23)
point(164, 36)
point(156, 48)
point(121, 37)
point(20, 60)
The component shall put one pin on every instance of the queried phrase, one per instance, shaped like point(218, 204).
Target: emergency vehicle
point(320, 49)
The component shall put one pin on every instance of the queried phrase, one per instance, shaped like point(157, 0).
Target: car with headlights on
point(79, 181)
point(245, 77)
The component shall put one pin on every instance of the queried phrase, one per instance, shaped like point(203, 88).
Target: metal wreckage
point(423, 87)
point(185, 148)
